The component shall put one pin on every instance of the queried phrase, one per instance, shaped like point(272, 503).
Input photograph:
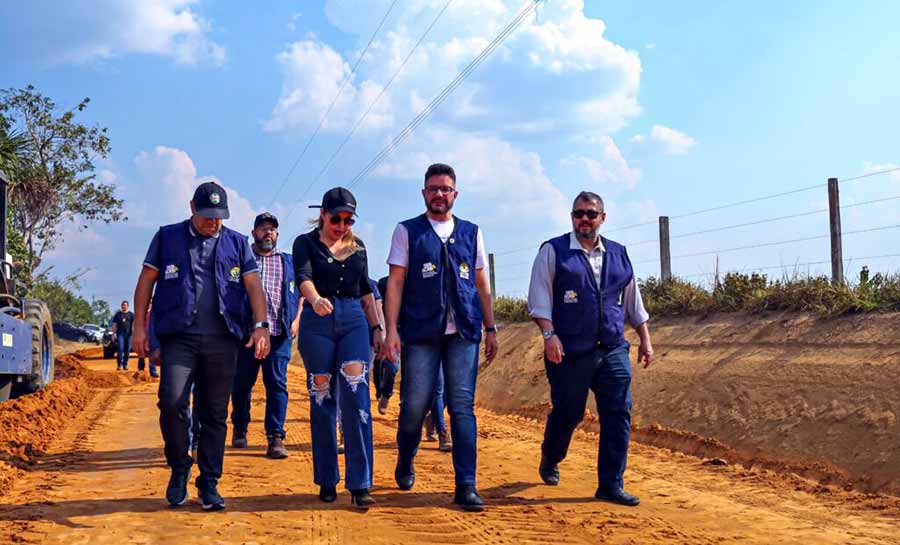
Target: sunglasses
point(591, 214)
point(348, 221)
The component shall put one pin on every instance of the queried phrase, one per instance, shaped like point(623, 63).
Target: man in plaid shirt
point(276, 270)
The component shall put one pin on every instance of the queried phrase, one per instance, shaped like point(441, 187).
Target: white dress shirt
point(540, 291)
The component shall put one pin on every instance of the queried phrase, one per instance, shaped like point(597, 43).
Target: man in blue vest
point(438, 298)
point(202, 272)
point(581, 294)
point(276, 271)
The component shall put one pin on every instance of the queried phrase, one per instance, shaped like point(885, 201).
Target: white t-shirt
point(399, 254)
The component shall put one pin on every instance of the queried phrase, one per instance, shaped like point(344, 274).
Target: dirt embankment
point(29, 424)
point(784, 391)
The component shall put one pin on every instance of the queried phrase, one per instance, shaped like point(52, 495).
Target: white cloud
point(171, 174)
point(292, 24)
point(637, 138)
point(650, 45)
point(498, 182)
point(69, 32)
point(595, 81)
point(608, 166)
point(872, 168)
point(312, 75)
point(671, 141)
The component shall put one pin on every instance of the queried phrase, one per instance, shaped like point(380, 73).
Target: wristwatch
point(547, 334)
point(376, 326)
point(264, 325)
point(492, 329)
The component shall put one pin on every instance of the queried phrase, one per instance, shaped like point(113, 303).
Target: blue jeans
point(330, 346)
point(274, 371)
point(123, 343)
point(437, 409)
point(606, 372)
point(421, 365)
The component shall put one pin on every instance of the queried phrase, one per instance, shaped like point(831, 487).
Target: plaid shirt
point(271, 272)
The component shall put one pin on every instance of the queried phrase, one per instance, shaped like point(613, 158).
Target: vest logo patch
point(171, 272)
point(464, 270)
point(235, 274)
point(428, 270)
point(570, 296)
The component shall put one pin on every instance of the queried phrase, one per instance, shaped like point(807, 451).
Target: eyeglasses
point(446, 189)
point(591, 214)
point(348, 221)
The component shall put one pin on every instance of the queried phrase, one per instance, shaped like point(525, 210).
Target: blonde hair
point(349, 239)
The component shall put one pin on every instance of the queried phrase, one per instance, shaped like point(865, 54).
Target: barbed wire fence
point(514, 266)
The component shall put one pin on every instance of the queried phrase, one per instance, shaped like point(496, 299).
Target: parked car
point(95, 332)
point(65, 330)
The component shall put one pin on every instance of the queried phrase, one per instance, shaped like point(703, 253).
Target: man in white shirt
point(438, 298)
point(581, 295)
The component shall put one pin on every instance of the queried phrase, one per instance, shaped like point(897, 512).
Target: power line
point(362, 118)
point(436, 101)
point(333, 102)
point(781, 242)
point(868, 175)
point(770, 267)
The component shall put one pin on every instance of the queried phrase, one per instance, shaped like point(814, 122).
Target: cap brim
point(340, 209)
point(214, 213)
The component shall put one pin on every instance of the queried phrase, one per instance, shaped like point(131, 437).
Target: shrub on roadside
point(511, 309)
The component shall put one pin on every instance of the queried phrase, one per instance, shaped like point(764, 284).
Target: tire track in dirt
point(102, 483)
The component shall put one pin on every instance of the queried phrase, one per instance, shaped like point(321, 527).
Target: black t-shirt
point(333, 278)
point(123, 322)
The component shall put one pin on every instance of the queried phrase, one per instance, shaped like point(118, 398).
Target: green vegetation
point(67, 306)
point(752, 293)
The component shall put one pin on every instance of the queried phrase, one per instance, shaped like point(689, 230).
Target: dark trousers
point(141, 365)
point(606, 372)
point(207, 364)
point(274, 371)
point(123, 343)
point(437, 409)
point(384, 372)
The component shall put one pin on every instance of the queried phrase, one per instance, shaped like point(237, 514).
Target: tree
point(53, 179)
point(101, 311)
point(64, 304)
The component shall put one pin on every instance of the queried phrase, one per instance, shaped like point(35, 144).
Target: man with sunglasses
point(581, 294)
point(438, 297)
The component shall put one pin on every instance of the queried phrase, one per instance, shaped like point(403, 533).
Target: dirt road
point(102, 482)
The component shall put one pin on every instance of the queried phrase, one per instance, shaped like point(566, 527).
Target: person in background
point(276, 268)
point(434, 422)
point(384, 370)
point(153, 351)
point(122, 323)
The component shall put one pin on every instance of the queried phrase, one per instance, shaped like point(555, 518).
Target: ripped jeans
point(335, 352)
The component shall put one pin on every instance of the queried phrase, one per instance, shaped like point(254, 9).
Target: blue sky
point(661, 107)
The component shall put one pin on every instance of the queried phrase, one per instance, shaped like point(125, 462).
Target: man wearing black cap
point(202, 271)
point(276, 270)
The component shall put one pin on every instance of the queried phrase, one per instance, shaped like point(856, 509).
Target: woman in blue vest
point(581, 295)
point(331, 267)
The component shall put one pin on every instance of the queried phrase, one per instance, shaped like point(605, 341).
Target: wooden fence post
point(834, 217)
point(493, 281)
point(665, 254)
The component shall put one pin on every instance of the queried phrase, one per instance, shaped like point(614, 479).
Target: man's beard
point(433, 210)
point(589, 235)
point(266, 244)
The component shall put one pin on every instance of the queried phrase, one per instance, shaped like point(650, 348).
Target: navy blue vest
point(440, 277)
point(175, 300)
point(290, 297)
point(585, 314)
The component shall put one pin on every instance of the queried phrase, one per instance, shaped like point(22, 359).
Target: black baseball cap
point(265, 216)
point(211, 201)
point(337, 200)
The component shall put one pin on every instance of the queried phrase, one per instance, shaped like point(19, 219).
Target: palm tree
point(13, 146)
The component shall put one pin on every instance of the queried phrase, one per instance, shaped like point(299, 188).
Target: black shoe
point(176, 492)
point(210, 499)
point(238, 440)
point(549, 472)
point(405, 475)
point(361, 498)
point(617, 496)
point(467, 498)
point(327, 493)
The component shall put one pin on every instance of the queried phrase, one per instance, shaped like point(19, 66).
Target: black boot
point(467, 497)
point(549, 472)
point(361, 498)
point(327, 493)
point(405, 475)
